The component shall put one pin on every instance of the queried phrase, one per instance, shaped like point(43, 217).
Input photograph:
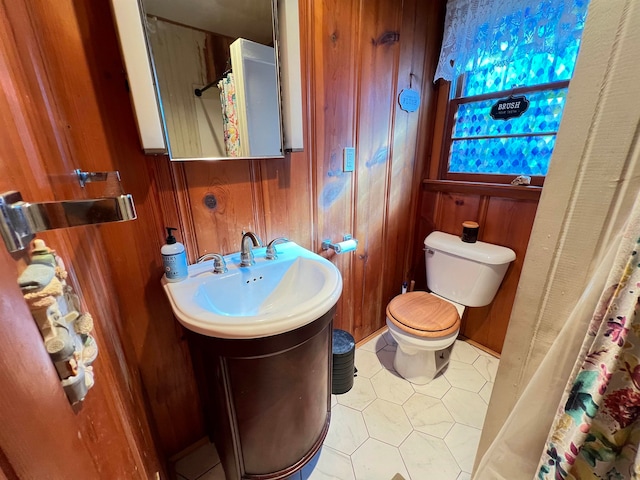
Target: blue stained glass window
point(517, 146)
point(542, 116)
point(528, 155)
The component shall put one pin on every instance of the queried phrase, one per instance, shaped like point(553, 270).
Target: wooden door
point(42, 435)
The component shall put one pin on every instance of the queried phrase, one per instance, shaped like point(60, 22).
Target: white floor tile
point(198, 462)
point(435, 388)
point(216, 473)
point(330, 465)
point(375, 344)
point(427, 457)
point(389, 339)
point(387, 422)
point(428, 415)
point(464, 352)
point(465, 376)
point(386, 357)
point(347, 430)
point(367, 363)
point(334, 400)
point(360, 395)
point(376, 460)
point(463, 444)
point(487, 367)
point(465, 407)
point(464, 476)
point(485, 393)
point(389, 386)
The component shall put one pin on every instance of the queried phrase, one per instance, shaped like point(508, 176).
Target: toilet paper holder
point(348, 244)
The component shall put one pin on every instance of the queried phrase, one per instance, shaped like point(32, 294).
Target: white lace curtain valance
point(477, 31)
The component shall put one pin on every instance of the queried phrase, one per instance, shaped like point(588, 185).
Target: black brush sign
point(511, 107)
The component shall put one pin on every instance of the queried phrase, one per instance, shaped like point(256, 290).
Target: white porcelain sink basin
point(268, 298)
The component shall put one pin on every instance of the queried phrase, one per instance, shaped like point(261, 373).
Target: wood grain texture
point(332, 45)
point(109, 435)
point(379, 51)
point(423, 314)
point(508, 222)
point(419, 48)
point(95, 132)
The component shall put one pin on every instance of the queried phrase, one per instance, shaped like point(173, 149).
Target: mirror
point(216, 70)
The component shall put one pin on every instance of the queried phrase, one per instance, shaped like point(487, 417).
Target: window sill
point(479, 188)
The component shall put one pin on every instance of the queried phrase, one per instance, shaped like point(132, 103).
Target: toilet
point(426, 325)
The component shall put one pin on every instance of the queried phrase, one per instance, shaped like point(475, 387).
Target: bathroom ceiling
point(249, 19)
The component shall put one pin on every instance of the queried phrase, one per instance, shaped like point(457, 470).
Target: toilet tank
point(466, 273)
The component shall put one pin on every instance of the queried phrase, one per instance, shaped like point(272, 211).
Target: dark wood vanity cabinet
point(267, 401)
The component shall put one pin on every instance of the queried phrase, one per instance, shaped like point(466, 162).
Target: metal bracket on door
point(87, 177)
point(20, 221)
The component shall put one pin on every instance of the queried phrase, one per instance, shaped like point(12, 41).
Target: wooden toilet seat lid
point(423, 314)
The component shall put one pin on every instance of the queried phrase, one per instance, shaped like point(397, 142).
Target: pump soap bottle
point(174, 258)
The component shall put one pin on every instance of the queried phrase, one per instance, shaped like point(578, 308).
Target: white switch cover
point(349, 159)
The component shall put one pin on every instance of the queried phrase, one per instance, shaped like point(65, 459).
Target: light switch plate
point(349, 159)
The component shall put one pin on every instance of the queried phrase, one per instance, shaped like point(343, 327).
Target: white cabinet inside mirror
point(214, 79)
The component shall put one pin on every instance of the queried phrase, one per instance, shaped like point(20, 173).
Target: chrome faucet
point(271, 247)
point(219, 265)
point(249, 241)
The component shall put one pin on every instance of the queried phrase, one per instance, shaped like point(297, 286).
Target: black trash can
point(344, 353)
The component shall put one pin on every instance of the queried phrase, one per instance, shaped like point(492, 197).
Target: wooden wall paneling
point(286, 203)
point(454, 209)
point(429, 205)
point(287, 184)
point(419, 34)
point(223, 203)
point(332, 47)
point(378, 64)
point(508, 222)
point(98, 126)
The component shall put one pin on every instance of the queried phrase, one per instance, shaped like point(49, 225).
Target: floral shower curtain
point(579, 416)
point(229, 115)
point(596, 432)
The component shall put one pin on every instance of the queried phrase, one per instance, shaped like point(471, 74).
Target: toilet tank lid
point(479, 251)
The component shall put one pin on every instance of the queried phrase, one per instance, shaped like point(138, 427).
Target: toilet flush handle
point(428, 250)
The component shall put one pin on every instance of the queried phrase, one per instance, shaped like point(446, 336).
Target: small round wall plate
point(409, 100)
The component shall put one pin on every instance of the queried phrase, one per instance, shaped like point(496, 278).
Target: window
point(504, 61)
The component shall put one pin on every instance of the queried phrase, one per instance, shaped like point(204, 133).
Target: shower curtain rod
point(198, 91)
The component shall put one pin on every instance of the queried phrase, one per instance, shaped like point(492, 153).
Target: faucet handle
point(219, 265)
point(271, 248)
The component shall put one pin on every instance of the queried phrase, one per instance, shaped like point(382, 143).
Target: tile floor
point(385, 425)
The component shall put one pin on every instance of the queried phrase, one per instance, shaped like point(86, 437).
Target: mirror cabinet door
point(216, 70)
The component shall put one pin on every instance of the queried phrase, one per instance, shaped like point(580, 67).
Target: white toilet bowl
point(425, 327)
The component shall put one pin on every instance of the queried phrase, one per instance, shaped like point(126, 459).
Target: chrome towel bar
point(20, 221)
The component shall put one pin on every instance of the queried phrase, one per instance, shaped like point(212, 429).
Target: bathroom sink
point(268, 298)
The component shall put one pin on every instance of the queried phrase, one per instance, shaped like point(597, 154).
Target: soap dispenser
point(174, 258)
